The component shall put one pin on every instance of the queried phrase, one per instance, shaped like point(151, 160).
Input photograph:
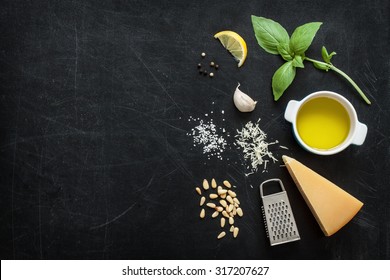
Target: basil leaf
point(298, 61)
point(325, 56)
point(269, 34)
point(282, 79)
point(303, 36)
point(321, 66)
point(284, 51)
point(331, 55)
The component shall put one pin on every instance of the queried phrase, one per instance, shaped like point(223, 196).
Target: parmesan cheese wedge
point(332, 207)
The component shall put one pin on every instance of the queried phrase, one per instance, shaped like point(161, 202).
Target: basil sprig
point(274, 39)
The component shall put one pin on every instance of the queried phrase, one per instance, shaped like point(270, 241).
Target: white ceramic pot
point(357, 132)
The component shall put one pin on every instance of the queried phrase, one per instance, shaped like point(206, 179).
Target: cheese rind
point(332, 207)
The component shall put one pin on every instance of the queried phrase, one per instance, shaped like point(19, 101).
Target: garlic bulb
point(243, 102)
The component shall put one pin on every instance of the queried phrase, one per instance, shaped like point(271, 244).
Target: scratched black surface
point(94, 104)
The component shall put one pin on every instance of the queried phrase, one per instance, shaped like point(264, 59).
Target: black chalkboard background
point(94, 106)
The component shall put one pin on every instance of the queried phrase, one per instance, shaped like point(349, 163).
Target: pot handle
point(291, 110)
point(360, 134)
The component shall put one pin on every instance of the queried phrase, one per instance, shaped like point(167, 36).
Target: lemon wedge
point(234, 43)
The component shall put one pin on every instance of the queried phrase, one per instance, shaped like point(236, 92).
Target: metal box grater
point(278, 216)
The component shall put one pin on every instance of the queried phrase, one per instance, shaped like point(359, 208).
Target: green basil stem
point(332, 67)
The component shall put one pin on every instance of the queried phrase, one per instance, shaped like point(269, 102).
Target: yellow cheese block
point(332, 207)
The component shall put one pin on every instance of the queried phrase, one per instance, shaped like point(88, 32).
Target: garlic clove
point(243, 102)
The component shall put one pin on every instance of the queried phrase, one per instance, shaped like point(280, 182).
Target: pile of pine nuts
point(223, 201)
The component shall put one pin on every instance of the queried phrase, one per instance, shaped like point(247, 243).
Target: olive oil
point(323, 123)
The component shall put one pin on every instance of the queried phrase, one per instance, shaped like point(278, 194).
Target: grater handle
point(270, 180)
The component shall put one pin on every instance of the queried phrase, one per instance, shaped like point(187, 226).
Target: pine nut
point(225, 214)
point(232, 193)
point(213, 183)
point(205, 184)
point(235, 232)
point(228, 206)
point(223, 202)
point(227, 184)
point(223, 221)
point(202, 214)
point(211, 205)
point(222, 191)
point(202, 201)
point(221, 235)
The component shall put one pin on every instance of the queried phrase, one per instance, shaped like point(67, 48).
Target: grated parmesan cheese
point(252, 140)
